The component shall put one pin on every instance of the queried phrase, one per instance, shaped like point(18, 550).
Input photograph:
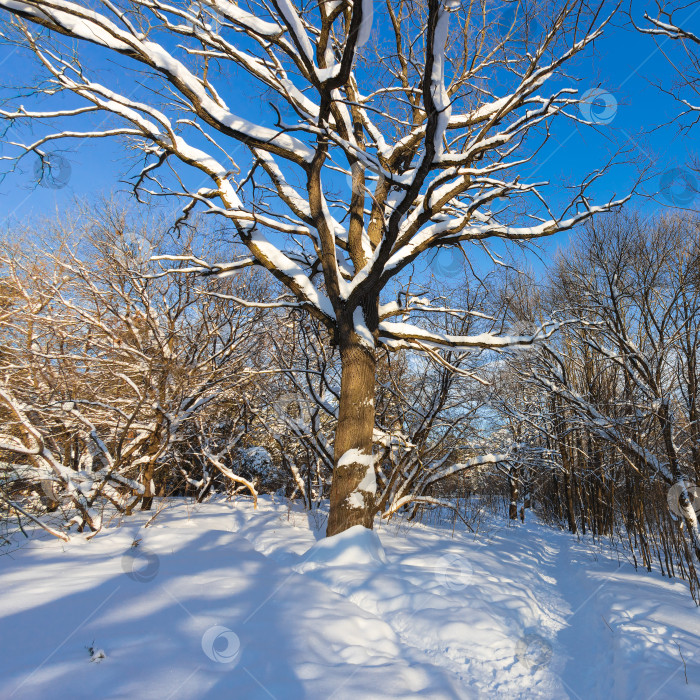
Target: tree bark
point(350, 506)
point(513, 484)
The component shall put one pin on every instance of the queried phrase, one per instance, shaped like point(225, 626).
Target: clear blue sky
point(624, 64)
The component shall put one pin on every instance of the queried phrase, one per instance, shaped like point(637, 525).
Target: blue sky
point(624, 64)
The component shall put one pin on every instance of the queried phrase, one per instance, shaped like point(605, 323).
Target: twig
point(685, 670)
point(156, 514)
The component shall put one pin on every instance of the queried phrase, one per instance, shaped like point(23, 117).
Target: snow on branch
point(398, 335)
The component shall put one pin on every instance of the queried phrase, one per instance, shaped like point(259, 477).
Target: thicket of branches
point(125, 379)
point(383, 133)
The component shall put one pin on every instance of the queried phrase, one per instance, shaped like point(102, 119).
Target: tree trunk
point(353, 488)
point(686, 507)
point(513, 484)
point(147, 501)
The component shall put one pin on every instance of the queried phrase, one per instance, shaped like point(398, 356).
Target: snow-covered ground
point(221, 601)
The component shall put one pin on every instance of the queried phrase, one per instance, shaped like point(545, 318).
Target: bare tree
point(104, 368)
point(431, 124)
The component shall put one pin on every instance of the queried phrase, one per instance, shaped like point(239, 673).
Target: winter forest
point(349, 349)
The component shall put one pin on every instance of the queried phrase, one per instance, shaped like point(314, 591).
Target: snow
point(483, 340)
point(291, 17)
point(225, 601)
point(369, 481)
point(324, 74)
point(366, 24)
point(439, 93)
point(358, 319)
point(354, 456)
point(288, 267)
point(355, 500)
point(245, 19)
point(357, 546)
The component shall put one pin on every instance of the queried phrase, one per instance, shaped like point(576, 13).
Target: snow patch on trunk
point(369, 482)
point(358, 319)
point(354, 456)
point(439, 92)
point(368, 485)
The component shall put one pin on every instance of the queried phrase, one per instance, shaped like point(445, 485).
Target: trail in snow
point(220, 601)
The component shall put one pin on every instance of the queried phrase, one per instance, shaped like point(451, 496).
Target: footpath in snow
point(222, 601)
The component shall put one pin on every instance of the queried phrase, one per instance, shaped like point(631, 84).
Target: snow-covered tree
point(427, 115)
